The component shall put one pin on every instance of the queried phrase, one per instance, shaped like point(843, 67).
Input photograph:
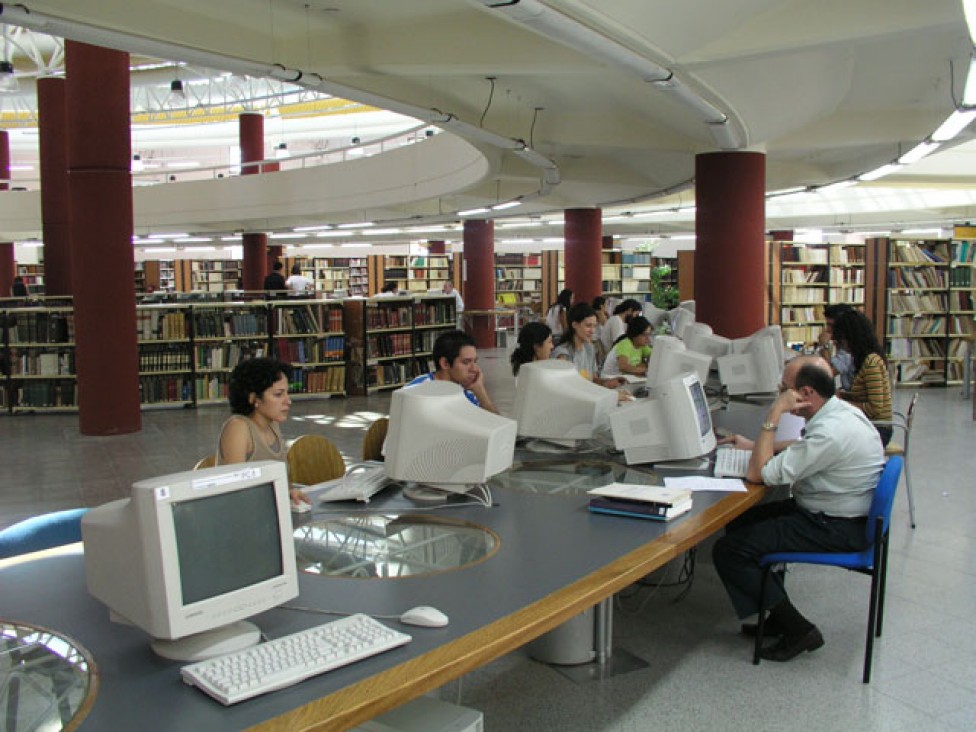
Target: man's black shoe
point(788, 648)
point(772, 629)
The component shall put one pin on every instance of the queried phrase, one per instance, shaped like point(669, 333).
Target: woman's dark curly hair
point(254, 376)
point(852, 330)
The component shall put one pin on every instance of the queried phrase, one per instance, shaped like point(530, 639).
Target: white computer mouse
point(424, 616)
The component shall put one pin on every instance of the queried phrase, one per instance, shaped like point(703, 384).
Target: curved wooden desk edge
point(395, 686)
point(695, 529)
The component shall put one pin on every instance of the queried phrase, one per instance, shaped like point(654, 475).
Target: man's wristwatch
point(769, 426)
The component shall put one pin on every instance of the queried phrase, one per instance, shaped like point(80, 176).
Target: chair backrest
point(312, 459)
point(884, 495)
point(910, 414)
point(206, 462)
point(374, 438)
point(42, 532)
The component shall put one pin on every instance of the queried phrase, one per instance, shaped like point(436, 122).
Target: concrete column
point(479, 278)
point(100, 195)
point(730, 277)
point(583, 233)
point(55, 205)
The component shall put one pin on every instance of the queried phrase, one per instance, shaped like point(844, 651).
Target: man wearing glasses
point(832, 470)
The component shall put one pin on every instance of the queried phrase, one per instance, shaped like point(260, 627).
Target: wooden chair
point(375, 436)
point(206, 462)
point(313, 459)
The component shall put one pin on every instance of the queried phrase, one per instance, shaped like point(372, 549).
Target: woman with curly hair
point(871, 389)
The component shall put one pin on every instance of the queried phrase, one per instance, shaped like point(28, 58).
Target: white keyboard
point(730, 462)
point(282, 662)
point(360, 483)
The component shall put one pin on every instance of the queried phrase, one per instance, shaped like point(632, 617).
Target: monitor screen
point(698, 337)
point(757, 369)
point(554, 402)
point(438, 438)
point(670, 358)
point(675, 424)
point(190, 555)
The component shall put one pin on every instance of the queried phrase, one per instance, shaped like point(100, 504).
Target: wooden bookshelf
point(309, 337)
point(518, 280)
point(39, 347)
point(165, 355)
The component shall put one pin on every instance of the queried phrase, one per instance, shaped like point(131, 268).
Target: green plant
point(663, 295)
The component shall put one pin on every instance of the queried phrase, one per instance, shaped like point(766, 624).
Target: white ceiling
point(827, 89)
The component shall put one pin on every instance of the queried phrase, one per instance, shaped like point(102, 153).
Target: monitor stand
point(201, 646)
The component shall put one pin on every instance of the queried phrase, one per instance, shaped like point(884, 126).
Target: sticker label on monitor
point(162, 493)
point(202, 484)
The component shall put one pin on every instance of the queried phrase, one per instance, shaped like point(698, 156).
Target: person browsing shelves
point(456, 359)
point(832, 470)
point(259, 401)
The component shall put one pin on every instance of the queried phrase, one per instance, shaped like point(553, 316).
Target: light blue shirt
point(835, 466)
point(430, 377)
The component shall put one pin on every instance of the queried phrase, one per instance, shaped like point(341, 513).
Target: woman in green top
point(632, 350)
point(871, 389)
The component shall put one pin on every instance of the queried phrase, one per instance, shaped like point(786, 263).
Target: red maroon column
point(479, 278)
point(583, 233)
point(8, 265)
point(729, 224)
point(255, 264)
point(437, 247)
point(607, 241)
point(55, 201)
point(100, 195)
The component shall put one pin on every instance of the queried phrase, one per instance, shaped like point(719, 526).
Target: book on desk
point(640, 501)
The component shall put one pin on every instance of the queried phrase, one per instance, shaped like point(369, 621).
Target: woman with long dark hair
point(534, 344)
point(871, 389)
point(576, 344)
point(557, 313)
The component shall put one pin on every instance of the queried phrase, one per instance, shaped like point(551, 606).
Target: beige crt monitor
point(554, 402)
point(189, 556)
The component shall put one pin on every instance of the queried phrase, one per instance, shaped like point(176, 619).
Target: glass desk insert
point(390, 546)
point(47, 681)
point(569, 478)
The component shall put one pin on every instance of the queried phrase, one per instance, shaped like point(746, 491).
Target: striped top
point(871, 390)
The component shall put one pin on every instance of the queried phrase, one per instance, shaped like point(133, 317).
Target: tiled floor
point(699, 675)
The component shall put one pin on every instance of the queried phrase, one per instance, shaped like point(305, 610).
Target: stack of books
point(640, 501)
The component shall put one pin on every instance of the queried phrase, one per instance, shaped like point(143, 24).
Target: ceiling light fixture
point(177, 96)
point(918, 152)
point(956, 123)
point(879, 172)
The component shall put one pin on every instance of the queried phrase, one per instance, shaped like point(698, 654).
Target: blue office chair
point(873, 560)
point(42, 532)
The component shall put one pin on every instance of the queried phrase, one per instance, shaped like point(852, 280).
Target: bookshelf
point(390, 339)
point(806, 278)
point(341, 273)
point(610, 273)
point(39, 349)
point(223, 334)
point(428, 273)
point(165, 355)
point(309, 337)
point(916, 310)
point(962, 305)
point(216, 275)
point(33, 275)
point(518, 280)
point(635, 274)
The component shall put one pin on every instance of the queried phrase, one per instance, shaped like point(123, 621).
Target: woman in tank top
point(258, 394)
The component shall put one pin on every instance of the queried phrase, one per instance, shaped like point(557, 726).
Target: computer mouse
point(424, 616)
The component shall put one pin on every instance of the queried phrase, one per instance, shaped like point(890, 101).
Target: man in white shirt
point(298, 282)
point(833, 470)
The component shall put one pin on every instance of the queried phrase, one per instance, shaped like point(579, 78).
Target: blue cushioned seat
point(42, 532)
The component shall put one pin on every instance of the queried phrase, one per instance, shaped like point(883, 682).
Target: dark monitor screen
point(227, 541)
point(701, 408)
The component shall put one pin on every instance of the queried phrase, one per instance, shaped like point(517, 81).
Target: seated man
point(456, 359)
point(833, 469)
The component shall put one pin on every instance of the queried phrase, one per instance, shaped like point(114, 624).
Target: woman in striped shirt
point(871, 388)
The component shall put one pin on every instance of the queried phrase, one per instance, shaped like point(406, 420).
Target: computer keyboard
point(360, 483)
point(731, 462)
point(282, 662)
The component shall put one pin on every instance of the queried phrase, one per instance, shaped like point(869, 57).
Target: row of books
point(42, 363)
point(383, 316)
point(921, 277)
point(964, 251)
point(436, 312)
point(916, 348)
point(212, 387)
point(219, 323)
point(227, 355)
point(156, 389)
point(801, 334)
point(389, 344)
point(916, 303)
point(397, 372)
point(961, 277)
point(847, 276)
point(914, 253)
point(804, 255)
point(518, 260)
point(926, 325)
point(791, 293)
point(297, 320)
point(850, 295)
point(802, 315)
point(156, 325)
point(424, 340)
point(308, 350)
point(60, 393)
point(164, 357)
point(41, 326)
point(802, 276)
point(325, 381)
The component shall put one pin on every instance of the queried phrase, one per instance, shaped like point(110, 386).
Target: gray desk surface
point(555, 560)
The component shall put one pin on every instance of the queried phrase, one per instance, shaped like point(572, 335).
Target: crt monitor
point(674, 424)
point(681, 317)
point(741, 345)
point(553, 402)
point(698, 337)
point(441, 440)
point(670, 357)
point(187, 557)
point(655, 315)
point(755, 371)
